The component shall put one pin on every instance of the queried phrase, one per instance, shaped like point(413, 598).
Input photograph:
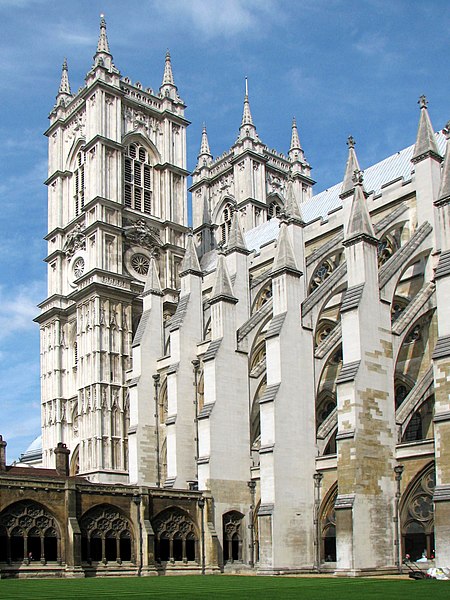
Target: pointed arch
point(107, 535)
point(417, 514)
point(176, 536)
point(327, 518)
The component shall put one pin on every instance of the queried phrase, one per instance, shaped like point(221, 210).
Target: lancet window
point(105, 536)
point(227, 216)
point(138, 179)
point(78, 175)
point(328, 528)
point(28, 532)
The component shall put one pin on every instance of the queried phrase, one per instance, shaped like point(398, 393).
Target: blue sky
point(340, 67)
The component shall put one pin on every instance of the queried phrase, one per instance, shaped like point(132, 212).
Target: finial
point(246, 86)
point(358, 177)
point(351, 141)
point(64, 65)
point(446, 130)
point(422, 102)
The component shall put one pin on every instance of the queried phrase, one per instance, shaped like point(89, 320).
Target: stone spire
point(103, 56)
point(295, 151)
point(352, 166)
point(247, 128)
point(152, 283)
point(426, 141)
point(444, 190)
point(284, 257)
point(168, 75)
point(205, 156)
point(168, 87)
point(64, 92)
point(103, 46)
point(222, 289)
point(359, 223)
point(236, 241)
point(190, 262)
point(291, 207)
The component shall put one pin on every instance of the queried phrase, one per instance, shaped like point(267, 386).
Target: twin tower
point(256, 357)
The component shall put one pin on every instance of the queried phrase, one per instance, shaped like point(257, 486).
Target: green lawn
point(216, 587)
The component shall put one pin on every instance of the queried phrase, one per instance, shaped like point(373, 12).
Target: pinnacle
point(291, 207)
point(351, 167)
point(284, 258)
point(103, 46)
point(168, 75)
point(152, 283)
point(425, 142)
point(235, 238)
point(247, 115)
point(190, 262)
point(204, 146)
point(359, 223)
point(64, 86)
point(295, 150)
point(222, 288)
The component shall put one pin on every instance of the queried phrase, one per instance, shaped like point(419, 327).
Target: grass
point(217, 587)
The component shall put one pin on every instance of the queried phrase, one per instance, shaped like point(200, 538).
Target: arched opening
point(324, 269)
point(105, 535)
point(232, 536)
point(328, 527)
point(417, 516)
point(29, 531)
point(176, 538)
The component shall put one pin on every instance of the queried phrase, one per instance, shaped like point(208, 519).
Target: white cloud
point(18, 307)
point(219, 18)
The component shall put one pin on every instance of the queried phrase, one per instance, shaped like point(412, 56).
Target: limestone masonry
point(267, 391)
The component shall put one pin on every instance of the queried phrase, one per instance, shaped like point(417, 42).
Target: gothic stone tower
point(116, 199)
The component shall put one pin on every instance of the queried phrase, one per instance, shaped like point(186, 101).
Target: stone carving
point(76, 240)
point(140, 234)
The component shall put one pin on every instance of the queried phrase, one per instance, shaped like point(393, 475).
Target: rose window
point(78, 267)
point(140, 263)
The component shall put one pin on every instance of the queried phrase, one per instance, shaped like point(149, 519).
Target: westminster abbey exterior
point(266, 391)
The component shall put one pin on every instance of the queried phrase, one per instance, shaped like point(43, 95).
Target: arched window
point(138, 179)
point(324, 270)
point(232, 536)
point(264, 295)
point(105, 536)
point(227, 217)
point(328, 527)
point(175, 536)
point(273, 210)
point(417, 516)
point(28, 532)
point(78, 174)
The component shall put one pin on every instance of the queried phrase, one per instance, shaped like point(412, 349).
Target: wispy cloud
point(215, 18)
point(18, 307)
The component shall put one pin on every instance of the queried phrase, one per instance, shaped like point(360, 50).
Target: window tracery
point(78, 173)
point(324, 270)
point(105, 536)
point(387, 246)
point(26, 527)
point(225, 226)
point(138, 179)
point(175, 536)
point(263, 297)
point(417, 516)
point(232, 536)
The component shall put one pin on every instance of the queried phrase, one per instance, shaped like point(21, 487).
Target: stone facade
point(272, 387)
